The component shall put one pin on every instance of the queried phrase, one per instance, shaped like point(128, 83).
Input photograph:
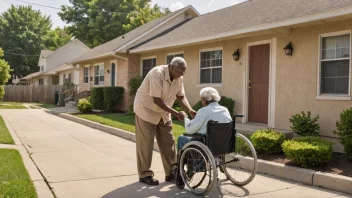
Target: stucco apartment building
point(240, 51)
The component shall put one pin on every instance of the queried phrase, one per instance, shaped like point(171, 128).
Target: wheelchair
point(198, 161)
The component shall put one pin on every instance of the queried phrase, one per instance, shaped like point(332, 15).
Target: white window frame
point(173, 54)
point(199, 67)
point(321, 96)
point(95, 65)
point(113, 61)
point(146, 58)
point(86, 66)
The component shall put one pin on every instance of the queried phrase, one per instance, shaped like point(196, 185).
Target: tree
point(4, 69)
point(144, 15)
point(99, 21)
point(22, 31)
point(56, 38)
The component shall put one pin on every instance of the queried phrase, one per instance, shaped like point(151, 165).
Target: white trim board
point(272, 81)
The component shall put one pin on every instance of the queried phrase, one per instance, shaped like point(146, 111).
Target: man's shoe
point(170, 178)
point(149, 180)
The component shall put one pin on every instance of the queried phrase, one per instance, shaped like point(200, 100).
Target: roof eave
point(290, 22)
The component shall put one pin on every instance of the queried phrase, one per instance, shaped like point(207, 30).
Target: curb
point(107, 129)
point(296, 174)
point(41, 187)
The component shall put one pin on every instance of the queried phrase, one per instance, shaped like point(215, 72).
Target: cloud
point(210, 3)
point(176, 6)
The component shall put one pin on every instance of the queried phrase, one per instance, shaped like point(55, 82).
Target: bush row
point(102, 98)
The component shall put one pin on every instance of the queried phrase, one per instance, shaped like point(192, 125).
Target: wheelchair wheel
point(197, 168)
point(244, 166)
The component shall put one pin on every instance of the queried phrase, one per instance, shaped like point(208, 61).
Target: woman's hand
point(192, 113)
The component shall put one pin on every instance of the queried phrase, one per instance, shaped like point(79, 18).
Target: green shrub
point(303, 124)
point(267, 141)
point(227, 102)
point(308, 151)
point(97, 98)
point(130, 110)
point(344, 131)
point(113, 98)
point(84, 106)
point(134, 84)
point(2, 92)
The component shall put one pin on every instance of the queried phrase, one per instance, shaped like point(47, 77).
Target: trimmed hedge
point(97, 98)
point(107, 98)
point(308, 151)
point(227, 102)
point(344, 131)
point(84, 106)
point(267, 141)
point(112, 98)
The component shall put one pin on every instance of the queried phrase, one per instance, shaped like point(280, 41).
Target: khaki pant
point(145, 133)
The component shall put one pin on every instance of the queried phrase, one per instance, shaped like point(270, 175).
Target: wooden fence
point(31, 93)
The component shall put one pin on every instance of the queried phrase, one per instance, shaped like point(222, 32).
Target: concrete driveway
point(78, 161)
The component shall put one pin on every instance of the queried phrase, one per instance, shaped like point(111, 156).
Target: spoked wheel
point(197, 169)
point(243, 167)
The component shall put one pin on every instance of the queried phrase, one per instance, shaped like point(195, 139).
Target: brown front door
point(258, 83)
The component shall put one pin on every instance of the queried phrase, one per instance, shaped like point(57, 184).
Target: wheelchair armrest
point(238, 116)
point(195, 135)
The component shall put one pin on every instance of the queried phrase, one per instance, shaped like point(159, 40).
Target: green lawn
point(14, 179)
point(11, 105)
point(126, 122)
point(5, 136)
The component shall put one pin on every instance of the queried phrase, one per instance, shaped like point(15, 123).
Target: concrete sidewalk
point(78, 161)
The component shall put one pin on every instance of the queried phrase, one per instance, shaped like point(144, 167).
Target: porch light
point(236, 55)
point(108, 71)
point(288, 49)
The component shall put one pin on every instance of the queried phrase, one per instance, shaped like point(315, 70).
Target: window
point(42, 68)
point(41, 81)
point(147, 65)
point(64, 79)
point(99, 74)
point(86, 77)
point(170, 57)
point(69, 78)
point(211, 67)
point(335, 64)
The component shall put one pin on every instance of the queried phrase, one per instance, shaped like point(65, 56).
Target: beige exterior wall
point(296, 76)
point(125, 69)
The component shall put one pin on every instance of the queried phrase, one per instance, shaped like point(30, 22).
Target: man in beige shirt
point(153, 109)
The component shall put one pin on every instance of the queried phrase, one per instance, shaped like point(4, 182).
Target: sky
point(202, 6)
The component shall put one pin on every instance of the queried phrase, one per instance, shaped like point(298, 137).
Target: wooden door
point(258, 98)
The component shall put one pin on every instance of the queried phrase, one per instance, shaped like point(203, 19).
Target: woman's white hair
point(178, 62)
point(210, 94)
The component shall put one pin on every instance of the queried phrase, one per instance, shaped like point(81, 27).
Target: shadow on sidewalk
point(139, 190)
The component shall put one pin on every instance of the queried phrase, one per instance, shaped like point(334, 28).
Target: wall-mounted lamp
point(288, 49)
point(108, 71)
point(236, 55)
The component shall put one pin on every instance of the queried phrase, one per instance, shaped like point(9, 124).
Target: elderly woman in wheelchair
point(211, 141)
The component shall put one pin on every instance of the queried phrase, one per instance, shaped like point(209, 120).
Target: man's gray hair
point(210, 94)
point(178, 61)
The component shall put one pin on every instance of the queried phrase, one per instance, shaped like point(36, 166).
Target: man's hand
point(184, 114)
point(181, 115)
point(193, 113)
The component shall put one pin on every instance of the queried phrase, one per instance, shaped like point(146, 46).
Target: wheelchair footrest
point(178, 179)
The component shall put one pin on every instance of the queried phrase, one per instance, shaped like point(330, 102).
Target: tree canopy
point(99, 21)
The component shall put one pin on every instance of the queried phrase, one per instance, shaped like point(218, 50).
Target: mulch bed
point(339, 164)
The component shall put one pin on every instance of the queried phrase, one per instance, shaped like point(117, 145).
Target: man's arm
point(163, 106)
point(185, 105)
